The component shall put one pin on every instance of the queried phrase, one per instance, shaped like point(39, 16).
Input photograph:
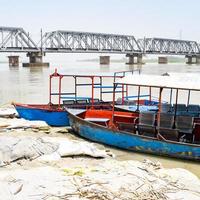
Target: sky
point(141, 18)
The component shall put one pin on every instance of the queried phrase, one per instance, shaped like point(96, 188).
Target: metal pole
point(113, 104)
point(50, 89)
point(41, 34)
point(138, 98)
point(150, 94)
point(122, 94)
point(75, 85)
point(92, 92)
point(176, 106)
point(126, 92)
point(59, 94)
point(188, 98)
point(159, 107)
point(170, 101)
point(100, 88)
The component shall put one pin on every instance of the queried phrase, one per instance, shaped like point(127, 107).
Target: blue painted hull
point(51, 117)
point(133, 142)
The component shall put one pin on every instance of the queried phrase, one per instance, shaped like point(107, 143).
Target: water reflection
point(11, 68)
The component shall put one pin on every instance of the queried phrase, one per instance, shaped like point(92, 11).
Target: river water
point(30, 85)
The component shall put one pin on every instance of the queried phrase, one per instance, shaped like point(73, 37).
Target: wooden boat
point(55, 114)
point(173, 132)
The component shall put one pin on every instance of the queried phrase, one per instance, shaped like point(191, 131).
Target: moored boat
point(172, 130)
point(52, 115)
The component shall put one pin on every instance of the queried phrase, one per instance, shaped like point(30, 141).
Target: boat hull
point(53, 117)
point(133, 142)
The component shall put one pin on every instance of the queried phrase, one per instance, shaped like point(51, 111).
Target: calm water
point(30, 85)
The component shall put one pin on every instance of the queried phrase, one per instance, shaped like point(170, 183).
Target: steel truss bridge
point(18, 40)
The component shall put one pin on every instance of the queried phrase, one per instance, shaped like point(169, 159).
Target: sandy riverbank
point(65, 167)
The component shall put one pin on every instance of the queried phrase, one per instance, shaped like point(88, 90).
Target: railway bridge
point(13, 39)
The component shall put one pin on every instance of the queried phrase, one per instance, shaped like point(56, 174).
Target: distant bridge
point(14, 39)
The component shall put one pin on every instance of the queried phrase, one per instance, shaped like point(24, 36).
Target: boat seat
point(95, 101)
point(193, 110)
point(166, 107)
point(103, 121)
point(146, 125)
point(165, 128)
point(185, 125)
point(128, 127)
point(82, 101)
point(94, 119)
point(180, 107)
point(131, 102)
point(68, 102)
point(119, 101)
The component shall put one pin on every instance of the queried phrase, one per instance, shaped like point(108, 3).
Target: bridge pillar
point(35, 60)
point(13, 61)
point(132, 60)
point(139, 59)
point(197, 59)
point(104, 60)
point(162, 60)
point(191, 59)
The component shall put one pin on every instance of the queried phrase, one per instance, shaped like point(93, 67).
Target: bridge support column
point(162, 60)
point(132, 60)
point(198, 60)
point(104, 60)
point(13, 61)
point(188, 59)
point(139, 59)
point(192, 59)
point(35, 60)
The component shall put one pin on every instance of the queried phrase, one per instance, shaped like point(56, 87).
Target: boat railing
point(96, 83)
point(125, 73)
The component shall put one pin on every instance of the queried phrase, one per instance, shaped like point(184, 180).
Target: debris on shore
point(44, 148)
point(108, 180)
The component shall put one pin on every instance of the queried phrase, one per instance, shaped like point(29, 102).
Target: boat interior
point(173, 121)
point(182, 128)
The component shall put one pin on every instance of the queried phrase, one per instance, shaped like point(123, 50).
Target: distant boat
point(172, 130)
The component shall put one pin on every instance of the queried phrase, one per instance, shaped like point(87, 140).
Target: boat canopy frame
point(161, 86)
point(103, 89)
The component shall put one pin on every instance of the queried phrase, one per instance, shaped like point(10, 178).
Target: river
point(30, 85)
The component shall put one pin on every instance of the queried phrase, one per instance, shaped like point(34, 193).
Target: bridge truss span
point(169, 46)
point(70, 41)
point(16, 40)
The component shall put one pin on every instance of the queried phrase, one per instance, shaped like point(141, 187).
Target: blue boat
point(52, 115)
point(97, 132)
point(173, 130)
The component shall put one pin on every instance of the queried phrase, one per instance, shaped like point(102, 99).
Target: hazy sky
point(150, 18)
